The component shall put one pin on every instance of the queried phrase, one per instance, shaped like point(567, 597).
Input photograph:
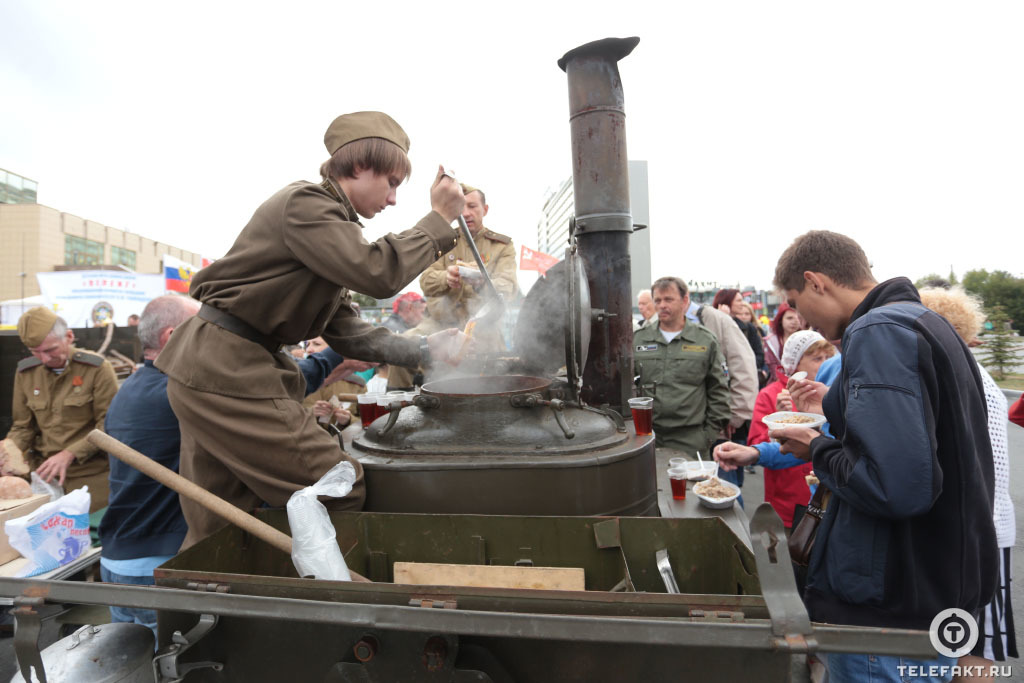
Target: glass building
point(559, 207)
point(16, 189)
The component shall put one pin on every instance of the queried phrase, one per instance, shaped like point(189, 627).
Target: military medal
point(35, 392)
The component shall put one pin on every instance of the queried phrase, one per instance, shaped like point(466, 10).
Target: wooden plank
point(489, 576)
point(90, 557)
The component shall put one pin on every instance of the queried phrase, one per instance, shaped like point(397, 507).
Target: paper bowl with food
point(789, 418)
point(716, 494)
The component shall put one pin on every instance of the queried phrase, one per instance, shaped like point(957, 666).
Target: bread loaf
point(14, 488)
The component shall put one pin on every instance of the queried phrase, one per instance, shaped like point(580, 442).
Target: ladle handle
point(194, 492)
point(468, 236)
point(190, 490)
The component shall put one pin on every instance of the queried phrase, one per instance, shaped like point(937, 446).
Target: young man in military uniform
point(245, 435)
point(60, 395)
point(681, 366)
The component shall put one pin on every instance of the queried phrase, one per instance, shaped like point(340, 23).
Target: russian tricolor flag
point(177, 274)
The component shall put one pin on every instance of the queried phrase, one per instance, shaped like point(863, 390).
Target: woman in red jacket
point(786, 488)
point(1017, 412)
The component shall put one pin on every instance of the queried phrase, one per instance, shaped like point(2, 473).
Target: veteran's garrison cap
point(34, 324)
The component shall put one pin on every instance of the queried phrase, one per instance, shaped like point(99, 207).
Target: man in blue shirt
point(144, 526)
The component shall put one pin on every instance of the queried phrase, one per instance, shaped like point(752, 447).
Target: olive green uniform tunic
point(687, 379)
point(54, 412)
point(245, 434)
point(448, 307)
point(454, 307)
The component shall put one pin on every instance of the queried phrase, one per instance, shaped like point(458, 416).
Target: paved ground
point(1016, 435)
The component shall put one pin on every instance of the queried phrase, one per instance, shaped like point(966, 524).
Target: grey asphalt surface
point(1016, 438)
point(753, 493)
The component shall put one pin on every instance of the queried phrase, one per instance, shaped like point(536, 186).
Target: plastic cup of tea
point(367, 408)
point(677, 479)
point(383, 401)
point(643, 415)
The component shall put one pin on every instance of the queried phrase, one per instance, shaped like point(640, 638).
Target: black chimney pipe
point(603, 222)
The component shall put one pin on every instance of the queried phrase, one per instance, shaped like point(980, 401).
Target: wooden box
point(12, 509)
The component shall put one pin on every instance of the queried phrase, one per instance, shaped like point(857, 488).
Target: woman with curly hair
point(997, 639)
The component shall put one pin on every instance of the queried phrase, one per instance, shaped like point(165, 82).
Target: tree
point(364, 300)
point(999, 288)
point(933, 280)
point(1001, 351)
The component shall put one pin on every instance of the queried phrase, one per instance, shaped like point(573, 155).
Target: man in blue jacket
point(908, 532)
point(144, 526)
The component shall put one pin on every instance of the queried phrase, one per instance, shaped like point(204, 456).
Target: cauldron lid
point(485, 385)
point(556, 315)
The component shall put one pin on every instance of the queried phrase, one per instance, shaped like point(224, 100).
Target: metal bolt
point(365, 649)
point(434, 653)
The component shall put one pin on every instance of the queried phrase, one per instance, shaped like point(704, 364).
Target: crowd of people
point(913, 455)
point(913, 452)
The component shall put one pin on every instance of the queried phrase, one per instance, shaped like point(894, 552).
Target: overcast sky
point(897, 123)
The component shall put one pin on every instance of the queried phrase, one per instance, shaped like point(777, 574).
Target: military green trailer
point(533, 466)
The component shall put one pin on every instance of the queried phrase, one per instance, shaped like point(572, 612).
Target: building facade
point(36, 238)
point(558, 209)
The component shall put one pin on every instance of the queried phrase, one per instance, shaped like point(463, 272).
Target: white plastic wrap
point(315, 550)
point(54, 491)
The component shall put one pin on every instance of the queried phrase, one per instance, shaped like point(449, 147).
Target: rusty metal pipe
point(603, 222)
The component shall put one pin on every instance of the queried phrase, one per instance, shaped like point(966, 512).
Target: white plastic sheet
point(54, 491)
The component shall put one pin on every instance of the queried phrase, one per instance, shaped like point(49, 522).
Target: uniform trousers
point(251, 452)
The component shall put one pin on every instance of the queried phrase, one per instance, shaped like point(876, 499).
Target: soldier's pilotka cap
point(364, 124)
point(34, 324)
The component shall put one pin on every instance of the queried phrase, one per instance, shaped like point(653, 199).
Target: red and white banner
point(530, 259)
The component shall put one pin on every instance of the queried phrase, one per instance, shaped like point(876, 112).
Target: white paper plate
point(773, 420)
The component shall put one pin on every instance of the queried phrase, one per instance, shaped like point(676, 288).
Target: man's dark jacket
point(908, 532)
point(144, 517)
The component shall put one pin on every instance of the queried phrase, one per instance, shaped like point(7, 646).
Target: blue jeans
point(131, 615)
point(844, 668)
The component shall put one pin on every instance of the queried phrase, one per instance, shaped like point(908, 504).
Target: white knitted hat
point(796, 346)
